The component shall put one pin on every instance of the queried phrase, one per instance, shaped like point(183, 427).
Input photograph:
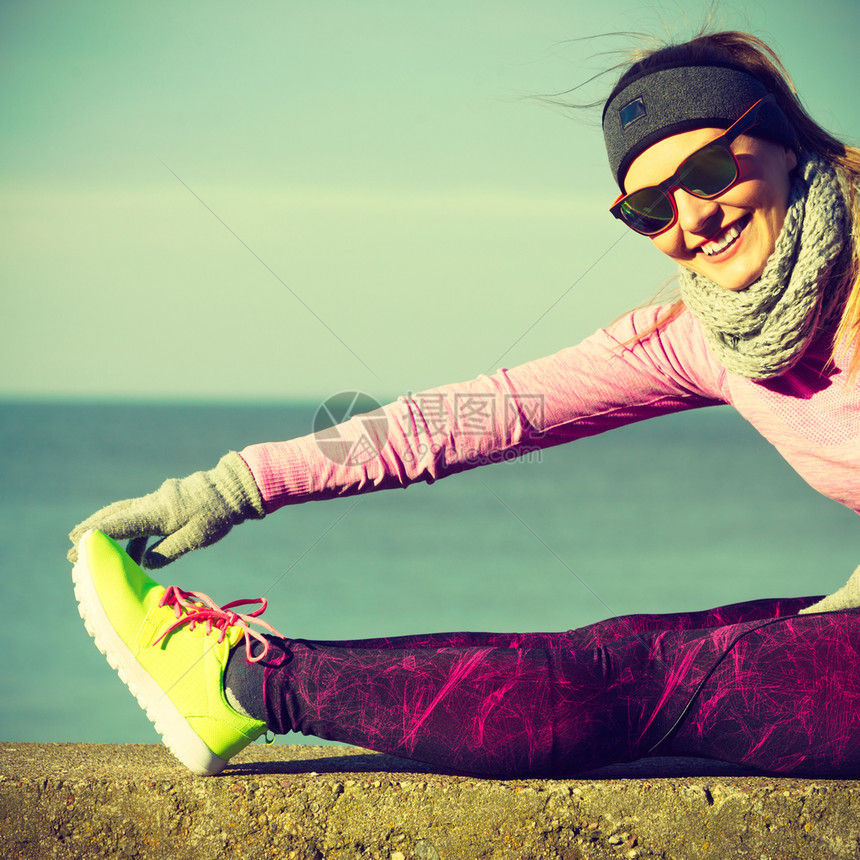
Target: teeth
point(724, 241)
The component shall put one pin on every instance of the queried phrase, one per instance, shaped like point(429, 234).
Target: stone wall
point(309, 803)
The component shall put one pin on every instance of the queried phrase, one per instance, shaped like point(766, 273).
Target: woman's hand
point(187, 513)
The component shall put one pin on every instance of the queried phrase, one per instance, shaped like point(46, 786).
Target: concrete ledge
point(309, 803)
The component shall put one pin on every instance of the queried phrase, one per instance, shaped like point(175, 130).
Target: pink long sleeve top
point(810, 414)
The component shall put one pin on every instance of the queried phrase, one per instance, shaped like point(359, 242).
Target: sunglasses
point(706, 173)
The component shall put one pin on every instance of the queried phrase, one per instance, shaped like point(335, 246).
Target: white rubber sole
point(177, 734)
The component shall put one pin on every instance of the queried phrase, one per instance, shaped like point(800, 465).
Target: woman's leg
point(779, 693)
point(726, 692)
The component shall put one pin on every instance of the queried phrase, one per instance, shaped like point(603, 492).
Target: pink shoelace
point(193, 607)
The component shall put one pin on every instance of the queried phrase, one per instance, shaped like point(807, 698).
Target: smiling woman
point(761, 222)
point(725, 236)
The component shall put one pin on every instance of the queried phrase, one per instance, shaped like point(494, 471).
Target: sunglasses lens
point(708, 172)
point(648, 211)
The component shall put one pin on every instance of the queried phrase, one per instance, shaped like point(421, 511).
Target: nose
point(694, 213)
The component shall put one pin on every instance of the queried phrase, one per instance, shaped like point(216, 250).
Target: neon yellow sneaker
point(170, 647)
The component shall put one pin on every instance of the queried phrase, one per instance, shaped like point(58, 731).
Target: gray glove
point(847, 597)
point(188, 513)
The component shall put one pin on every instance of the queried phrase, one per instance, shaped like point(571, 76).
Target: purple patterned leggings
point(751, 683)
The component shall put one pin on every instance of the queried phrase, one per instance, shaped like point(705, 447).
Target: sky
point(280, 200)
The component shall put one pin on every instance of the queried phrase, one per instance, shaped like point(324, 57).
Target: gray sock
point(243, 683)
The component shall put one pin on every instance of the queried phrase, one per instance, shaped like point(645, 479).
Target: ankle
point(243, 683)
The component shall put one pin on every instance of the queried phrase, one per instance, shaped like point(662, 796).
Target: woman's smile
point(726, 243)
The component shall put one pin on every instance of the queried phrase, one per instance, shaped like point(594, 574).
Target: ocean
point(678, 513)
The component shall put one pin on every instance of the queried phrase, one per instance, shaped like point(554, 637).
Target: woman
point(723, 170)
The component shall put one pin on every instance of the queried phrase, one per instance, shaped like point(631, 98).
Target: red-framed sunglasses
point(705, 173)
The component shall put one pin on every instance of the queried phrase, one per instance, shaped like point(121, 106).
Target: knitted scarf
point(763, 330)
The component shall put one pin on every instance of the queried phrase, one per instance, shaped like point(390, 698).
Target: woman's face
point(729, 238)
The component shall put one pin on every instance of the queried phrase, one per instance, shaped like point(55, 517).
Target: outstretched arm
point(600, 384)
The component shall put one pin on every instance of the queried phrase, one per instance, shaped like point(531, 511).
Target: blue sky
point(276, 200)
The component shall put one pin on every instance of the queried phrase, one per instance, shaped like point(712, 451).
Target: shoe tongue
point(234, 636)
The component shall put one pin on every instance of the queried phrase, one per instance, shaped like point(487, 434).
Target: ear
point(790, 159)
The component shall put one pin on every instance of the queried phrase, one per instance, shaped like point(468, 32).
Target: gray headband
point(669, 100)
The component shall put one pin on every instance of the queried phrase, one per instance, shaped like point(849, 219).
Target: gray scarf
point(763, 330)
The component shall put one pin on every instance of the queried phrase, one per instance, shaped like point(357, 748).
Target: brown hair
point(753, 54)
